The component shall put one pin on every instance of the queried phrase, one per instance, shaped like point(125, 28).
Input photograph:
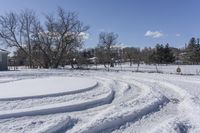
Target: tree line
point(57, 40)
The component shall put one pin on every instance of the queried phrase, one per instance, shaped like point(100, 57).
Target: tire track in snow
point(148, 89)
point(60, 127)
point(155, 102)
point(58, 108)
point(186, 105)
point(110, 120)
point(28, 103)
point(115, 116)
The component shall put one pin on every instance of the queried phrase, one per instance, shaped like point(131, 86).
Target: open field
point(99, 101)
point(167, 69)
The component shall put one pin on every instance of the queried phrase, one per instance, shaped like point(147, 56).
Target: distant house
point(3, 60)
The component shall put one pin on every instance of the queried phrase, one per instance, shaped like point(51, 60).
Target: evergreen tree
point(162, 55)
point(193, 51)
point(168, 55)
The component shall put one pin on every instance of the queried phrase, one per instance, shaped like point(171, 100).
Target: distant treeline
point(58, 41)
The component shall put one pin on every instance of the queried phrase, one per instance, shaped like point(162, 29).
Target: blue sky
point(138, 23)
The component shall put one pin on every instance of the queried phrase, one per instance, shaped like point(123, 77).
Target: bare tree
point(60, 35)
point(15, 31)
point(27, 19)
point(106, 42)
point(44, 44)
point(133, 55)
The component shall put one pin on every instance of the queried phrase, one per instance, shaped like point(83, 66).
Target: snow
point(99, 101)
point(162, 68)
point(57, 108)
point(41, 87)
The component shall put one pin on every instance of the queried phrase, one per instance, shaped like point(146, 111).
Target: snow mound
point(42, 87)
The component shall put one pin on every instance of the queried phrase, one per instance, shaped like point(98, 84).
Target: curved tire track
point(58, 108)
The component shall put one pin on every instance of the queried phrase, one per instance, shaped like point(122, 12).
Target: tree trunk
point(156, 68)
point(138, 65)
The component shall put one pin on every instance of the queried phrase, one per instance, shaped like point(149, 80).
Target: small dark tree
point(106, 42)
point(146, 55)
point(193, 51)
point(162, 55)
point(133, 55)
point(168, 55)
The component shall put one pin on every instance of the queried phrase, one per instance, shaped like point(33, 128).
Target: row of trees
point(160, 54)
point(58, 39)
point(44, 44)
point(108, 53)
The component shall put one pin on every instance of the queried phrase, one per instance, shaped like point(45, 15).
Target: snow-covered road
point(110, 102)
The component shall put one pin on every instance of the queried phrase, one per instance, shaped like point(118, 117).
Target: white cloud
point(84, 35)
point(153, 34)
point(178, 35)
point(120, 46)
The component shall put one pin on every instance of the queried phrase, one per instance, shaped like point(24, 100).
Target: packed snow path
point(100, 102)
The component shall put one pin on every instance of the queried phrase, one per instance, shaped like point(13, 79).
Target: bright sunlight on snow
point(40, 87)
point(98, 101)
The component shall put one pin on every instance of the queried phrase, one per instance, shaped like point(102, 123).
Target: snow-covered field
point(169, 69)
point(51, 101)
